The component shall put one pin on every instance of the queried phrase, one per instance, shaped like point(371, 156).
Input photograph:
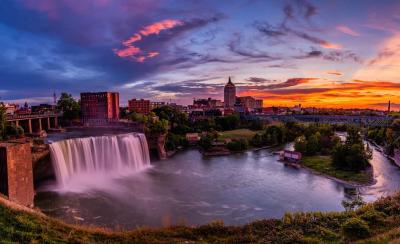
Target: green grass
point(323, 164)
point(237, 134)
point(381, 219)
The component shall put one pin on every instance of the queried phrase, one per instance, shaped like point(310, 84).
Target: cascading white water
point(91, 159)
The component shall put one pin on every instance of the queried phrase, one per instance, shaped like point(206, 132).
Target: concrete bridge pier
point(53, 122)
point(26, 125)
point(36, 125)
point(45, 123)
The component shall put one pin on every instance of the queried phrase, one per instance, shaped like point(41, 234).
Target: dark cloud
point(235, 46)
point(282, 31)
point(289, 83)
point(257, 80)
point(381, 56)
point(194, 86)
point(269, 30)
point(334, 55)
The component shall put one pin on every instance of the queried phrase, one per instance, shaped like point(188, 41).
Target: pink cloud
point(347, 30)
point(154, 29)
point(127, 52)
point(157, 27)
point(134, 38)
point(140, 59)
point(152, 54)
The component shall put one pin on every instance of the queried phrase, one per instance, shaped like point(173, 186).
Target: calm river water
point(190, 189)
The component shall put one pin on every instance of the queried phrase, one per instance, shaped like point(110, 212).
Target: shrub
point(355, 228)
point(234, 146)
point(373, 217)
point(205, 142)
point(240, 145)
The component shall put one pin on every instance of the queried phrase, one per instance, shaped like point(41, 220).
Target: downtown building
point(99, 108)
point(229, 95)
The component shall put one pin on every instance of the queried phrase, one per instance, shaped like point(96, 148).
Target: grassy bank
point(237, 134)
point(377, 223)
point(323, 164)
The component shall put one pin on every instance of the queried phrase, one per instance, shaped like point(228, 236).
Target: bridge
point(379, 121)
point(34, 123)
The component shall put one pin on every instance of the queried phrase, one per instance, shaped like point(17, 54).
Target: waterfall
point(93, 158)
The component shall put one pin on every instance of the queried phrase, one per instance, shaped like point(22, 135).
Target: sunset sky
point(317, 53)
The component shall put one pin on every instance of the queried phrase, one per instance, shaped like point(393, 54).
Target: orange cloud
point(329, 45)
point(290, 82)
point(347, 30)
point(135, 52)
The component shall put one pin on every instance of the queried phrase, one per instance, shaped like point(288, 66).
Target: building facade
point(99, 108)
point(248, 104)
point(229, 94)
point(139, 106)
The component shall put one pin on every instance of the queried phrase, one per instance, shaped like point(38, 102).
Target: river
point(190, 189)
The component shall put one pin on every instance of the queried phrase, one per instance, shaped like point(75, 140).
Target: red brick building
point(16, 174)
point(99, 108)
point(139, 106)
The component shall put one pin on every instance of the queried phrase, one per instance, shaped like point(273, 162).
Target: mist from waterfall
point(91, 162)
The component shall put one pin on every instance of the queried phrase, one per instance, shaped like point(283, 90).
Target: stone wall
point(156, 142)
point(16, 172)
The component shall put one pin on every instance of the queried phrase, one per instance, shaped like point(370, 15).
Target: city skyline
point(323, 54)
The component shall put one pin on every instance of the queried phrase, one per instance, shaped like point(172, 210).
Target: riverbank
point(377, 221)
point(322, 165)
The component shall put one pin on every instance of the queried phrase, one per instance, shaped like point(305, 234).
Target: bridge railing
point(382, 121)
point(11, 117)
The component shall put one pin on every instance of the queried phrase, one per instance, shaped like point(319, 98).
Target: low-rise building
point(192, 138)
point(11, 109)
point(99, 108)
point(139, 106)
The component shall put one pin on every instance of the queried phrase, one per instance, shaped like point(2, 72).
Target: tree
point(313, 144)
point(178, 121)
point(70, 108)
point(3, 121)
point(157, 126)
point(353, 135)
point(256, 140)
point(339, 154)
point(274, 135)
point(229, 122)
point(300, 144)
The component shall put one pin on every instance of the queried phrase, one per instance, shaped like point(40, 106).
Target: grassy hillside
point(375, 223)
